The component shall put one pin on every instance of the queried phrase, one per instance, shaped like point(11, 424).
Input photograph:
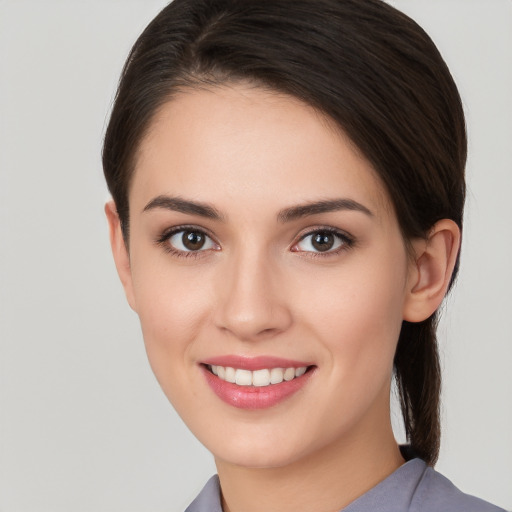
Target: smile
point(256, 383)
point(258, 378)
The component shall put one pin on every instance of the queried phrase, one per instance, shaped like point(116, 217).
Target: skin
point(260, 288)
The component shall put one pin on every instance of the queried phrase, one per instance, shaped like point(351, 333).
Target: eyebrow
point(178, 204)
point(292, 213)
point(325, 206)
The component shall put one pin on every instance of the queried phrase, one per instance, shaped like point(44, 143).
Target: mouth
point(256, 383)
point(258, 378)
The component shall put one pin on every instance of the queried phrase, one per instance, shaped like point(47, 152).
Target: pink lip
point(254, 363)
point(252, 397)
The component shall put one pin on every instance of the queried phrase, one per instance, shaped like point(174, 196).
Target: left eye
point(321, 241)
point(188, 240)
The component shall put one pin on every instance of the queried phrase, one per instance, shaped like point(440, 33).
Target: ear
point(431, 270)
point(120, 251)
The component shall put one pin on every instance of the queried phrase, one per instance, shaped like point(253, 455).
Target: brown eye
point(190, 240)
point(193, 240)
point(323, 241)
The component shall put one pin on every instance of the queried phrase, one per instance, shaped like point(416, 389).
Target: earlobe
point(120, 251)
point(431, 270)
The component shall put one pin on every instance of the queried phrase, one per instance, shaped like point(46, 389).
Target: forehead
point(245, 142)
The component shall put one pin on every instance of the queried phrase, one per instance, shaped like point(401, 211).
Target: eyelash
point(163, 240)
point(347, 242)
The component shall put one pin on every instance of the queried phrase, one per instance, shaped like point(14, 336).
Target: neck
point(325, 481)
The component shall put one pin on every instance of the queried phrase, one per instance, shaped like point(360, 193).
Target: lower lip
point(253, 397)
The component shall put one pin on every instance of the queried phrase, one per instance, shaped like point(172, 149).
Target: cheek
point(172, 306)
point(359, 314)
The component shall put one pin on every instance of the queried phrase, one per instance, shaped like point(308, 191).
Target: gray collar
point(208, 500)
point(394, 494)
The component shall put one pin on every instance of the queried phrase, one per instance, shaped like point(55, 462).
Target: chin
point(257, 458)
point(268, 450)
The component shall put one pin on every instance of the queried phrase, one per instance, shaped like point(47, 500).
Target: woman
point(288, 187)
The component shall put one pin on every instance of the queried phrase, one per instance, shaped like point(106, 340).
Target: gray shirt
point(413, 487)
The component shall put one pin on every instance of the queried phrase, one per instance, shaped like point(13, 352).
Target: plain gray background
point(83, 424)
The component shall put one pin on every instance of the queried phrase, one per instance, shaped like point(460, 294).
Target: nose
point(251, 298)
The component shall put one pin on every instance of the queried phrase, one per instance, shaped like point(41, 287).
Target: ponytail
point(418, 378)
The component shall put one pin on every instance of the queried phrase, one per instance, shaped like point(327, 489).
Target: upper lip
point(254, 363)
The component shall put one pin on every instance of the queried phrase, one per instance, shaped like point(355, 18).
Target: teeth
point(230, 375)
point(243, 377)
point(300, 371)
point(258, 378)
point(289, 374)
point(261, 378)
point(276, 375)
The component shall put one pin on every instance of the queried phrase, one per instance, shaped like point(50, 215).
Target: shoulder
point(414, 487)
point(435, 493)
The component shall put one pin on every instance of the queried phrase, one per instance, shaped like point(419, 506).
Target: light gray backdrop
point(83, 424)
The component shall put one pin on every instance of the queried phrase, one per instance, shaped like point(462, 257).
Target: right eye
point(187, 240)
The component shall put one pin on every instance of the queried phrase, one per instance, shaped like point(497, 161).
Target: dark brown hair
point(364, 64)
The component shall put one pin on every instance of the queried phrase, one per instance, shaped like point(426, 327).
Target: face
point(269, 274)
